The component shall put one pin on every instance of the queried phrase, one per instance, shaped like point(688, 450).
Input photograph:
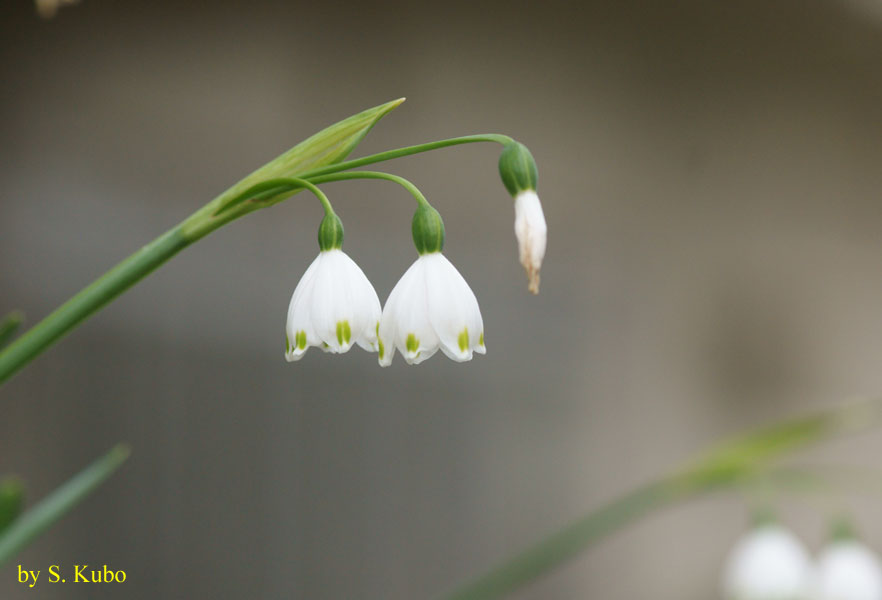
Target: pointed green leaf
point(328, 146)
point(32, 523)
point(11, 500)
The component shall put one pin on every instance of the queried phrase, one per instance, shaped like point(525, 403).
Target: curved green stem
point(406, 151)
point(326, 204)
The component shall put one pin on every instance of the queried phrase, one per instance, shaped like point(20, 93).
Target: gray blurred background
point(711, 178)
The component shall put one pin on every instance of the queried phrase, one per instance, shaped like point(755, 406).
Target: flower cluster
point(770, 563)
point(431, 307)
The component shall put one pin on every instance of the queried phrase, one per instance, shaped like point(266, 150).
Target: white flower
point(848, 570)
point(531, 231)
point(431, 306)
point(333, 306)
point(768, 563)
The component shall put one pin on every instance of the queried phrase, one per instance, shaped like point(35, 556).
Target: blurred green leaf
point(35, 521)
point(11, 500)
point(724, 465)
point(9, 325)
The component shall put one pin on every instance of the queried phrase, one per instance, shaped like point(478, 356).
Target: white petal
point(453, 308)
point(298, 314)
point(405, 321)
point(532, 233)
point(768, 563)
point(848, 570)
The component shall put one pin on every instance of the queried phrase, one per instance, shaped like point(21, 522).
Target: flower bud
point(519, 174)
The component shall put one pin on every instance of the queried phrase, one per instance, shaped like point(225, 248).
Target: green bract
point(517, 168)
point(328, 146)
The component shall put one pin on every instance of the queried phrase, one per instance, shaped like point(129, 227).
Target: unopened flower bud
point(519, 174)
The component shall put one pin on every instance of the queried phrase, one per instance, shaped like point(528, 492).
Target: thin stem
point(406, 151)
point(410, 187)
point(329, 210)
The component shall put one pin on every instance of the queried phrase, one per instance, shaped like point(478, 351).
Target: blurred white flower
point(333, 306)
point(768, 563)
point(848, 570)
point(531, 231)
point(431, 307)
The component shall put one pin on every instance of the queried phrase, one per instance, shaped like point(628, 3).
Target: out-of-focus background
point(711, 176)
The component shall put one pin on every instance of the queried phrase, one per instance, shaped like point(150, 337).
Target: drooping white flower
point(531, 231)
point(768, 563)
point(333, 306)
point(431, 307)
point(848, 570)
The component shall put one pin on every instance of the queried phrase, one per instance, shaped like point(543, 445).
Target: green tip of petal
point(344, 332)
point(463, 339)
point(287, 344)
point(481, 339)
point(412, 343)
point(382, 348)
point(300, 340)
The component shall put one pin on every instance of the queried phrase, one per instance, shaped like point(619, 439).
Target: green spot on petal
point(412, 344)
point(287, 344)
point(344, 333)
point(481, 339)
point(382, 348)
point(463, 339)
point(300, 340)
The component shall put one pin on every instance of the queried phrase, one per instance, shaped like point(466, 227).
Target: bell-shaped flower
point(333, 307)
point(431, 307)
point(768, 563)
point(848, 570)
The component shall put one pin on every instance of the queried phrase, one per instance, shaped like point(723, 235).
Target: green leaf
point(9, 325)
point(11, 500)
point(328, 146)
point(35, 521)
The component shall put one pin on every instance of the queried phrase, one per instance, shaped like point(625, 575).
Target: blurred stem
point(223, 209)
point(35, 521)
point(723, 466)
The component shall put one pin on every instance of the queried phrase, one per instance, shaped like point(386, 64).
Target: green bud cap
point(330, 233)
point(428, 230)
point(517, 168)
